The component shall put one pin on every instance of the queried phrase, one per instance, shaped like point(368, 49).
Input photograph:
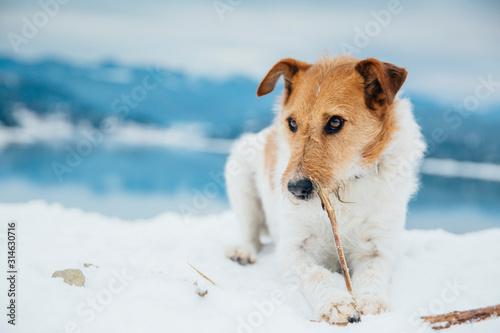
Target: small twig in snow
point(203, 275)
point(446, 320)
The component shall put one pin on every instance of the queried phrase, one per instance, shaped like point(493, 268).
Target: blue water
point(142, 170)
point(167, 173)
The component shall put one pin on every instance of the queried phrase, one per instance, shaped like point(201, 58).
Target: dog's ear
point(382, 81)
point(288, 68)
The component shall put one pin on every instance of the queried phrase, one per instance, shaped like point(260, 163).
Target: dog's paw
point(371, 303)
point(241, 255)
point(339, 308)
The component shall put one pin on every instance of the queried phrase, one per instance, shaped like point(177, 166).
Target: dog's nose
point(301, 188)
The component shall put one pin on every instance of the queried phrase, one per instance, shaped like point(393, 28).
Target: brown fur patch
point(370, 255)
point(381, 81)
point(375, 149)
point(287, 68)
point(318, 277)
point(270, 157)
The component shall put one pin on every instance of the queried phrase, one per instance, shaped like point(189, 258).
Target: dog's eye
point(292, 124)
point(334, 124)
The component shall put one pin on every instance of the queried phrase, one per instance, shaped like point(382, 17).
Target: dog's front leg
point(324, 290)
point(371, 266)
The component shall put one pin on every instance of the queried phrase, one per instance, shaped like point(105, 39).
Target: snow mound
point(140, 280)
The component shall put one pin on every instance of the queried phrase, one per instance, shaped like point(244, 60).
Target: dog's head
point(336, 114)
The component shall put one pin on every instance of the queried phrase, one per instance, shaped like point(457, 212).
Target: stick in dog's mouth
point(327, 205)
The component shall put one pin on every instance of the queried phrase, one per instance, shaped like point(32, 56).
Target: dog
point(340, 123)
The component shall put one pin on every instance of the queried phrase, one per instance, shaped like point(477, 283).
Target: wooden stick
point(443, 321)
point(328, 206)
point(203, 275)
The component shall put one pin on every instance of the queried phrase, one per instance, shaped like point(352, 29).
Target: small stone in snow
point(89, 265)
point(73, 277)
point(200, 292)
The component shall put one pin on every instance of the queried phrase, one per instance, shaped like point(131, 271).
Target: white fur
point(370, 220)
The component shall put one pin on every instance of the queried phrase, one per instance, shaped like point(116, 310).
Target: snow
point(436, 271)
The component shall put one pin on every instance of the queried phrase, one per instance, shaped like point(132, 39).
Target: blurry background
point(129, 108)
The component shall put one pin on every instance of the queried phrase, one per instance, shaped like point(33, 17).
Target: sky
point(445, 45)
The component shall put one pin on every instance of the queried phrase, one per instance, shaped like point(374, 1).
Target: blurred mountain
point(224, 108)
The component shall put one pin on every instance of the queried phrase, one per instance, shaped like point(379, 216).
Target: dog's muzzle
point(301, 189)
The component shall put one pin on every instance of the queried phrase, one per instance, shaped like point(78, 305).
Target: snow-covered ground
point(142, 282)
